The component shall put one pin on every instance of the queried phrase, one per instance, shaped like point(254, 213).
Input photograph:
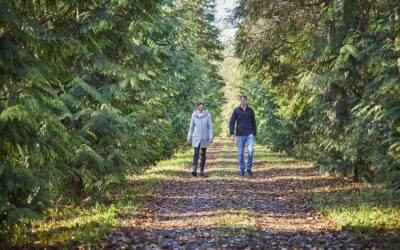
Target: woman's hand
point(188, 140)
point(211, 140)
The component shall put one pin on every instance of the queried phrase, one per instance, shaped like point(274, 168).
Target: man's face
point(200, 108)
point(243, 101)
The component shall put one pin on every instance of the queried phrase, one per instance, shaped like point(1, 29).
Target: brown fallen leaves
point(229, 211)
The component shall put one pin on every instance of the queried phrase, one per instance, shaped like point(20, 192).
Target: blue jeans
point(196, 158)
point(241, 141)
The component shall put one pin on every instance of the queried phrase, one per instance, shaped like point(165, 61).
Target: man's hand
point(211, 140)
point(188, 140)
point(232, 137)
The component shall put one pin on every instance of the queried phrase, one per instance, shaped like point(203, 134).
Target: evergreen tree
point(93, 90)
point(332, 70)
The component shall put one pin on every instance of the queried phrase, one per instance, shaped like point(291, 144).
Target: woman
point(201, 130)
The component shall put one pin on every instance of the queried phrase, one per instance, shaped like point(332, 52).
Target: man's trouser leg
point(241, 140)
point(250, 150)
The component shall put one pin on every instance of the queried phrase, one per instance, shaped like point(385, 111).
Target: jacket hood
point(197, 114)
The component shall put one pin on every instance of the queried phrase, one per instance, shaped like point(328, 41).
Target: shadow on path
point(230, 211)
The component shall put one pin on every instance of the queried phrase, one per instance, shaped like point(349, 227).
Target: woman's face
point(200, 108)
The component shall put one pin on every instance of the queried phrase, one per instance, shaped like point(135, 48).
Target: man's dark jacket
point(246, 122)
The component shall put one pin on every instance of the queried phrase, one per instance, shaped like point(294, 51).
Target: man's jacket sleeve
point(253, 121)
point(232, 122)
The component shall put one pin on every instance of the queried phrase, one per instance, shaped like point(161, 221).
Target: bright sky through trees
point(223, 7)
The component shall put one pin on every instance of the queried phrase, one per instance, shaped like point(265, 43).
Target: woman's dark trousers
point(196, 159)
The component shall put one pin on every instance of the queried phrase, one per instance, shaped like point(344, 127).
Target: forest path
point(226, 210)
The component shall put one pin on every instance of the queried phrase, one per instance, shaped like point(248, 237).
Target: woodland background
point(94, 91)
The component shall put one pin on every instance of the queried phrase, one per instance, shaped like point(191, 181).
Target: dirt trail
point(226, 210)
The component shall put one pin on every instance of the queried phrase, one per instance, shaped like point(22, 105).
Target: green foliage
point(18, 201)
point(364, 209)
point(333, 71)
point(274, 131)
point(69, 225)
point(92, 91)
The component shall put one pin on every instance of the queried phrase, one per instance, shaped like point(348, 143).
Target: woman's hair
point(200, 103)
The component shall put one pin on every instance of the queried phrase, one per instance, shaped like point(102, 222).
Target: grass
point(236, 223)
point(364, 209)
point(84, 224)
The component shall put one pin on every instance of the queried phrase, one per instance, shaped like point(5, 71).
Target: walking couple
point(201, 134)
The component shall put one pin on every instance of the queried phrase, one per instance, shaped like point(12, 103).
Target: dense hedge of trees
point(92, 90)
point(324, 77)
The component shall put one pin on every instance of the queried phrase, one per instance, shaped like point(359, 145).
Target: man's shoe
point(194, 173)
point(202, 174)
point(242, 173)
point(250, 173)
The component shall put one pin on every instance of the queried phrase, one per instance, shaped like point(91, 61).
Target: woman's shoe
point(194, 173)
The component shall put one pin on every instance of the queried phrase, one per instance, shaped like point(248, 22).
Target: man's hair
point(200, 103)
point(243, 96)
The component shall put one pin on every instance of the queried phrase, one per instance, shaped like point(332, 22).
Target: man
point(246, 132)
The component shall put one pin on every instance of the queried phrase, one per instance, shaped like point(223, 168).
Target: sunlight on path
point(226, 210)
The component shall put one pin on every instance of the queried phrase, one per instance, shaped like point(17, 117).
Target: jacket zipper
point(244, 121)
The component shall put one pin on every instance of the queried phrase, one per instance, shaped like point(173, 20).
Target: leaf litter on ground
point(270, 210)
